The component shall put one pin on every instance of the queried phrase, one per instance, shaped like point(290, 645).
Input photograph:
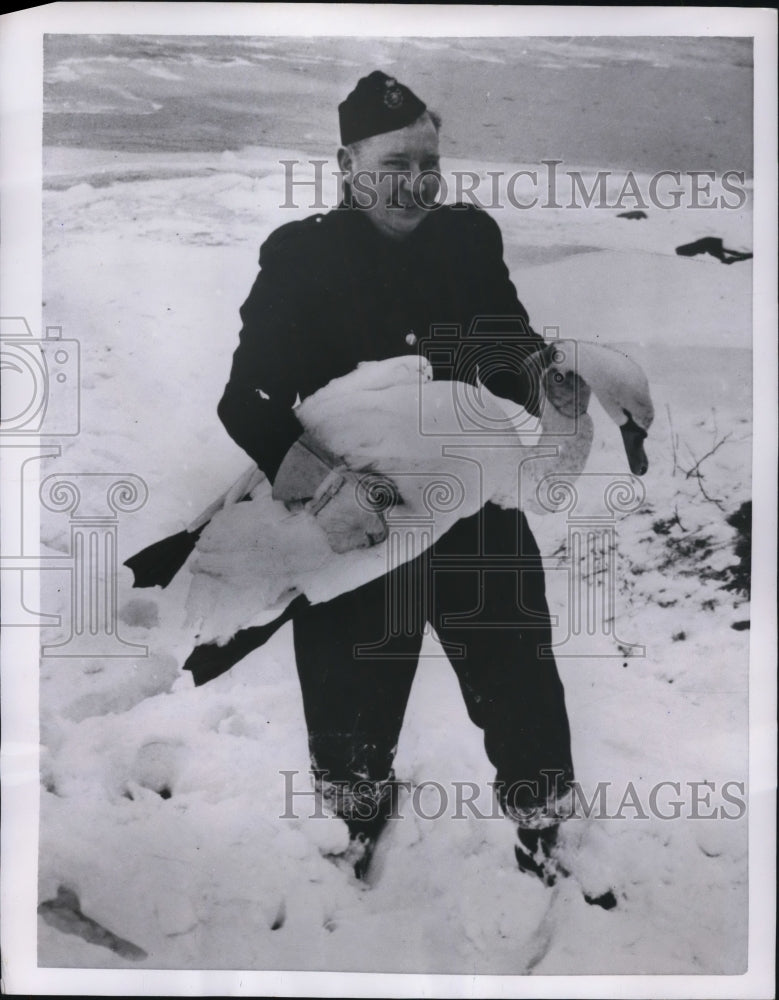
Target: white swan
point(448, 446)
point(619, 384)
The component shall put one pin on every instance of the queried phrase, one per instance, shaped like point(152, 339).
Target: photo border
point(21, 69)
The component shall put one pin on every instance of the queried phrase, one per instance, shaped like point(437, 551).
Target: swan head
point(630, 406)
point(633, 439)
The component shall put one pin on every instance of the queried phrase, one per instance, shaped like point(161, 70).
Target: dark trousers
point(481, 587)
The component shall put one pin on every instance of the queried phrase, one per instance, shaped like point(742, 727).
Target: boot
point(535, 853)
point(359, 853)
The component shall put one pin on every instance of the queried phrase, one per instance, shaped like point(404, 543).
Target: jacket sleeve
point(504, 321)
point(257, 406)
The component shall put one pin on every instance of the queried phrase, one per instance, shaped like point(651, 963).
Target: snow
point(161, 803)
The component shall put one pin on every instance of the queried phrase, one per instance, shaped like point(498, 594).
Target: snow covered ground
point(161, 804)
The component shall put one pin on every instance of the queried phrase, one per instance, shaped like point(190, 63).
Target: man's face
point(393, 176)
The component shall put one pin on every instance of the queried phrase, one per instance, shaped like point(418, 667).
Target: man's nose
point(421, 179)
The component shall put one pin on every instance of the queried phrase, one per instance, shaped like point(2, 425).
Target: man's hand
point(347, 506)
point(344, 510)
point(567, 392)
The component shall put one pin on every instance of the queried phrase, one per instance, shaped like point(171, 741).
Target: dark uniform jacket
point(332, 292)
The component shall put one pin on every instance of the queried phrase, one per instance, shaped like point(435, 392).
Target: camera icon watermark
point(41, 381)
point(504, 356)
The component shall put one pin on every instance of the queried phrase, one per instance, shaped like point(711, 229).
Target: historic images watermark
point(669, 799)
point(314, 185)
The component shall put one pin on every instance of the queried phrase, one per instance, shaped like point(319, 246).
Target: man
point(364, 282)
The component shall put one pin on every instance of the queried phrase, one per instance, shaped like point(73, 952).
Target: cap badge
point(393, 96)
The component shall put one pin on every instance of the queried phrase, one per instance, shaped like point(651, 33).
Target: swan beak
point(633, 439)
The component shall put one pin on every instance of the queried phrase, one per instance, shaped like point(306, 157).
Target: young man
point(364, 282)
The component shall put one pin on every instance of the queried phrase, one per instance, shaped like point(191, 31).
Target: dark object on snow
point(157, 564)
point(739, 577)
point(607, 900)
point(741, 626)
point(64, 913)
point(634, 214)
point(209, 660)
point(712, 245)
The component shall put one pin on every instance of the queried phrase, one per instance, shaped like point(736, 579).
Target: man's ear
point(345, 161)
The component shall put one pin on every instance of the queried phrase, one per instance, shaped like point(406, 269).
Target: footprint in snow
point(156, 767)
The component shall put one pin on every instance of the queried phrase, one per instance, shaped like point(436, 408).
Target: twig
point(713, 500)
point(674, 439)
point(694, 470)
